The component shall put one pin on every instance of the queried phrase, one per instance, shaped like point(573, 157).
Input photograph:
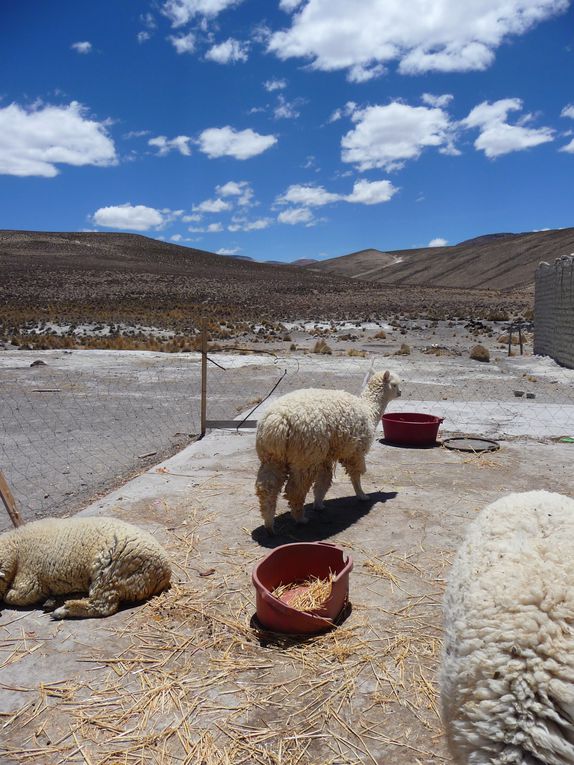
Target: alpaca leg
point(298, 484)
point(23, 592)
point(105, 604)
point(355, 468)
point(270, 479)
point(322, 485)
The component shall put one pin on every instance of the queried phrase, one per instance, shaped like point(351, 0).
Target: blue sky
point(285, 129)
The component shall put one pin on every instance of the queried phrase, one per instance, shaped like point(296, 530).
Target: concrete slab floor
point(185, 678)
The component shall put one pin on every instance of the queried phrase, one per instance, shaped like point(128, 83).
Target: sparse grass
point(381, 335)
point(480, 353)
point(322, 347)
point(357, 352)
point(404, 350)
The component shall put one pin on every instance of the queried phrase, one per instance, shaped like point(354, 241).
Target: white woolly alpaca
point(111, 560)
point(507, 678)
point(303, 434)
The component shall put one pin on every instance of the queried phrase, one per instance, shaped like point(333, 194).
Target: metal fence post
point(203, 377)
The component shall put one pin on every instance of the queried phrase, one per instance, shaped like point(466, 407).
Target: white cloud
point(134, 217)
point(165, 145)
point(143, 36)
point(183, 44)
point(569, 147)
point(361, 73)
point(287, 110)
point(212, 206)
point(449, 35)
point(437, 242)
point(439, 101)
point(308, 196)
point(239, 223)
point(176, 238)
point(195, 218)
point(496, 136)
point(33, 141)
point(229, 52)
point(364, 192)
point(371, 192)
point(289, 5)
point(82, 47)
point(213, 228)
point(296, 215)
point(387, 136)
point(568, 111)
point(274, 84)
point(228, 250)
point(345, 111)
point(181, 12)
point(240, 189)
point(228, 142)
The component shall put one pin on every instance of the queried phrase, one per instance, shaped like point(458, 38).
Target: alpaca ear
point(386, 376)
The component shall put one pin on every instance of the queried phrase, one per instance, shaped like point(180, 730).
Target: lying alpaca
point(104, 558)
point(303, 434)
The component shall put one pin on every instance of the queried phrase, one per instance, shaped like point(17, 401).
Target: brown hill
point(127, 278)
point(495, 261)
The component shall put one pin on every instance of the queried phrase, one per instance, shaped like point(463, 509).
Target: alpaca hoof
point(302, 520)
point(60, 613)
point(318, 506)
point(362, 497)
point(270, 529)
point(49, 604)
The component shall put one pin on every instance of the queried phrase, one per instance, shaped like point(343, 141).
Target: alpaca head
point(382, 388)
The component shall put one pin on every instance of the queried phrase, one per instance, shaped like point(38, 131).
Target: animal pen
point(189, 677)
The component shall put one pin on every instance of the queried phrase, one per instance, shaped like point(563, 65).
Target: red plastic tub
point(411, 428)
point(295, 563)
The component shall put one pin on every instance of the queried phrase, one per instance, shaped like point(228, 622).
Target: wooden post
point(9, 502)
point(520, 337)
point(510, 340)
point(203, 377)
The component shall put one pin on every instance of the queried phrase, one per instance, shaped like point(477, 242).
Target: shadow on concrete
point(337, 516)
point(418, 447)
point(268, 638)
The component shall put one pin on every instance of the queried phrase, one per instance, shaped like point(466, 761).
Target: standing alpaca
point(303, 434)
point(507, 677)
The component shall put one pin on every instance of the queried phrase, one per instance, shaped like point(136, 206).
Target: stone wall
point(554, 311)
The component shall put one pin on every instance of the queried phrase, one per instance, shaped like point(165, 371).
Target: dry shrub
point(357, 352)
point(404, 350)
point(293, 347)
point(322, 347)
point(382, 335)
point(480, 353)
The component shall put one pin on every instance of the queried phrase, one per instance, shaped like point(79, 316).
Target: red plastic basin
point(295, 563)
point(411, 428)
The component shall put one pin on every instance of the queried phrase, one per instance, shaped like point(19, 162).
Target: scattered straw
point(308, 595)
point(185, 678)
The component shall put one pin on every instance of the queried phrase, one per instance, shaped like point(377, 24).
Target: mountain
point(494, 261)
point(74, 278)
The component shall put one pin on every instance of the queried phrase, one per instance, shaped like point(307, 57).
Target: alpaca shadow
point(384, 442)
point(338, 515)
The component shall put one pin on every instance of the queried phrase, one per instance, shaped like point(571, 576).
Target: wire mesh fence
point(75, 424)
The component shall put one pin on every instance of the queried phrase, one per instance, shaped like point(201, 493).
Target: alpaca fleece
point(507, 677)
point(303, 434)
point(107, 559)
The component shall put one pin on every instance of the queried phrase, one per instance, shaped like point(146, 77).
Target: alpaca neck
point(377, 406)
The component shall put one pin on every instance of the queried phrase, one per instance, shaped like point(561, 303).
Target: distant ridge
point(502, 261)
point(79, 277)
